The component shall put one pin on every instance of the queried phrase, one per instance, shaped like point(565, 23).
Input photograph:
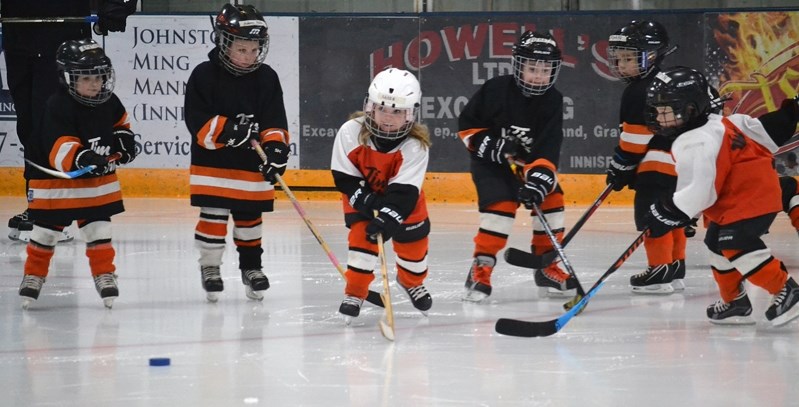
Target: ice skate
point(19, 227)
point(737, 312)
point(554, 282)
point(783, 307)
point(29, 289)
point(254, 282)
point(212, 282)
point(478, 281)
point(106, 285)
point(678, 271)
point(350, 308)
point(654, 280)
point(419, 297)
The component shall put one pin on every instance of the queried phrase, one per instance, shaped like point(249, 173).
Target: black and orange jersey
point(500, 108)
point(226, 177)
point(67, 128)
point(725, 170)
point(396, 175)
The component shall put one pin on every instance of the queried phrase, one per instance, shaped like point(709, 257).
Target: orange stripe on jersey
point(467, 134)
point(634, 138)
point(123, 122)
point(657, 166)
point(210, 131)
point(227, 173)
point(541, 162)
point(62, 155)
point(75, 203)
point(235, 194)
point(274, 134)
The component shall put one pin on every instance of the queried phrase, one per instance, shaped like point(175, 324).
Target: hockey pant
point(96, 233)
point(410, 245)
point(790, 199)
point(211, 230)
point(738, 253)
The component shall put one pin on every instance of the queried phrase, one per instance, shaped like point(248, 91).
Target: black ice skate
point(254, 281)
point(737, 312)
point(654, 280)
point(19, 224)
point(783, 307)
point(478, 281)
point(106, 285)
point(554, 282)
point(212, 282)
point(30, 288)
point(419, 296)
point(350, 308)
point(678, 271)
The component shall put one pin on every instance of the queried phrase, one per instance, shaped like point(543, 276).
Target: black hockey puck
point(159, 361)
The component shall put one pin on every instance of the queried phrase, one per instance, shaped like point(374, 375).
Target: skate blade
point(654, 289)
point(26, 302)
point(786, 317)
point(109, 302)
point(253, 295)
point(747, 320)
point(549, 292)
point(678, 285)
point(19, 236)
point(212, 296)
point(66, 237)
point(347, 320)
point(471, 296)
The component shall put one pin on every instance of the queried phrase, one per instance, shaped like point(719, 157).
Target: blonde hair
point(419, 132)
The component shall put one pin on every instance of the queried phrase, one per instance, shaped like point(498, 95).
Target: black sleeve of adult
point(781, 123)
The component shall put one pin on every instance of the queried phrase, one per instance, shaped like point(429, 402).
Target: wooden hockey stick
point(387, 320)
point(521, 258)
point(373, 297)
point(28, 20)
point(71, 174)
point(559, 249)
point(515, 327)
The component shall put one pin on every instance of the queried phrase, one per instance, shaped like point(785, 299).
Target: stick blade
point(387, 330)
point(375, 298)
point(526, 329)
point(521, 258)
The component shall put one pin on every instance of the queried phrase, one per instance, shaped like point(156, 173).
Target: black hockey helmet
point(686, 92)
point(539, 53)
point(646, 41)
point(240, 22)
point(77, 59)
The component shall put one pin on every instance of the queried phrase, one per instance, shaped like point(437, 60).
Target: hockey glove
point(621, 171)
point(690, 228)
point(494, 148)
point(111, 15)
point(540, 182)
point(277, 156)
point(86, 157)
point(664, 216)
point(236, 134)
point(386, 223)
point(364, 201)
point(125, 145)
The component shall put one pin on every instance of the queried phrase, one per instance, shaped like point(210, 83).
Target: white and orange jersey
point(724, 170)
point(405, 164)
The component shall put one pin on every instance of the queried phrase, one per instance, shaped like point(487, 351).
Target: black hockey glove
point(690, 228)
point(386, 223)
point(364, 201)
point(125, 145)
point(494, 148)
point(621, 171)
point(236, 134)
point(86, 157)
point(111, 15)
point(277, 156)
point(540, 182)
point(664, 216)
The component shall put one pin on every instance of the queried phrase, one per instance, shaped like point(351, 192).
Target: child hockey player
point(379, 162)
point(643, 161)
point(515, 122)
point(230, 99)
point(722, 163)
point(84, 124)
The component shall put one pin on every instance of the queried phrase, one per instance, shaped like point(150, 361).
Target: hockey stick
point(787, 147)
point(559, 249)
point(71, 174)
point(521, 258)
point(528, 329)
point(387, 320)
point(372, 296)
point(27, 20)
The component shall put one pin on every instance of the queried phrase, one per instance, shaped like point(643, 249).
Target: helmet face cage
point(79, 60)
point(645, 42)
point(686, 92)
point(645, 60)
point(243, 23)
point(106, 73)
point(395, 96)
point(536, 63)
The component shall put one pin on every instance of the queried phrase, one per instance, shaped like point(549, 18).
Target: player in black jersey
point(512, 128)
point(230, 99)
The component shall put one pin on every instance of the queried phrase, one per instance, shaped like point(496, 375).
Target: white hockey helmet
point(394, 92)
